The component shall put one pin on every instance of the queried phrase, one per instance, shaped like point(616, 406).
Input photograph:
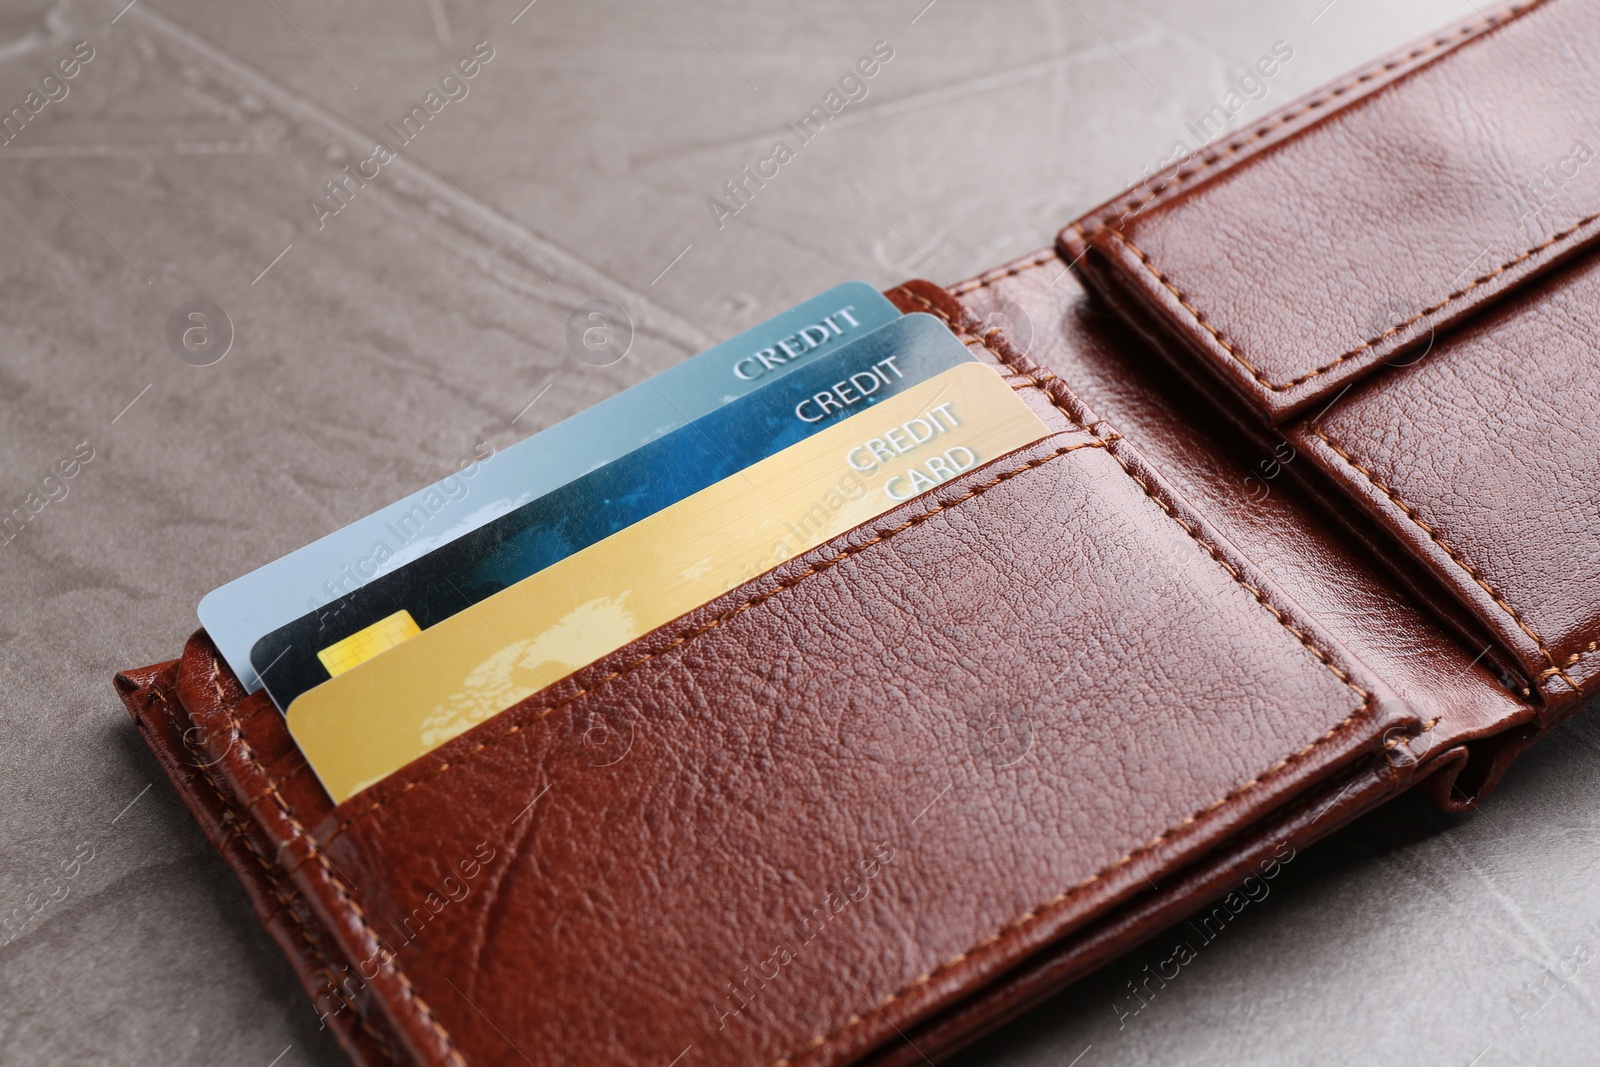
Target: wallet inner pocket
point(902, 759)
point(1482, 457)
point(1399, 280)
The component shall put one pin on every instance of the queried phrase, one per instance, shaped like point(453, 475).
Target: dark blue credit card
point(719, 445)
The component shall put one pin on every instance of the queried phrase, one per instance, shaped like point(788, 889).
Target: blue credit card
point(717, 446)
point(238, 614)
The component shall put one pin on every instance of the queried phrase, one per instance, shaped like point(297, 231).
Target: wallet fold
point(880, 800)
point(1404, 289)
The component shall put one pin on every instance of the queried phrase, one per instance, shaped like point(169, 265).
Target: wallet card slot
point(1381, 212)
point(855, 747)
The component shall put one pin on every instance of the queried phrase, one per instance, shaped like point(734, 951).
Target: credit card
point(238, 614)
point(453, 577)
point(366, 723)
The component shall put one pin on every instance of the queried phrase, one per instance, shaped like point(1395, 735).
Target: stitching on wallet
point(983, 281)
point(1555, 669)
point(727, 616)
point(321, 956)
point(1571, 660)
point(234, 828)
point(1396, 742)
point(248, 753)
point(1037, 381)
point(1009, 370)
point(1189, 528)
point(1180, 178)
point(1233, 349)
point(1064, 896)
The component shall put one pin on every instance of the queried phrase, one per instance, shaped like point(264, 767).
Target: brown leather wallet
point(1318, 522)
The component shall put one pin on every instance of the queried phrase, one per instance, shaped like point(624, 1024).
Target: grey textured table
point(375, 347)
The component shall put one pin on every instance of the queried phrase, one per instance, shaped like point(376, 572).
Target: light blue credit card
point(236, 615)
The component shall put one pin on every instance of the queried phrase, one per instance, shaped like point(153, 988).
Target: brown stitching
point(1238, 576)
point(334, 880)
point(985, 340)
point(1200, 318)
point(1461, 561)
point(321, 957)
point(283, 901)
point(258, 710)
point(230, 831)
point(983, 281)
point(1572, 659)
point(235, 829)
point(727, 616)
point(1018, 380)
point(1061, 898)
point(1010, 369)
point(1048, 376)
point(1395, 743)
point(1064, 897)
point(1233, 350)
point(303, 766)
point(1116, 437)
point(1039, 379)
point(1180, 177)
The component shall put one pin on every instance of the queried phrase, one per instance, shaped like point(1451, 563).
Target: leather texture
point(1368, 217)
point(1245, 485)
point(1482, 459)
point(1448, 189)
point(752, 825)
point(890, 795)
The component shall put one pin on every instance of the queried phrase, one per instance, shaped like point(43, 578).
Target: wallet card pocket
point(830, 805)
point(910, 758)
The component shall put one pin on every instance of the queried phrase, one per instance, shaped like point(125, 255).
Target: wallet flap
point(1350, 228)
point(1397, 274)
point(1483, 461)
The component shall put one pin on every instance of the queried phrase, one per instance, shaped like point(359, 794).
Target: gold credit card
point(385, 711)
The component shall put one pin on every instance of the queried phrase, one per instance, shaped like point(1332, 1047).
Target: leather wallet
point(1318, 522)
